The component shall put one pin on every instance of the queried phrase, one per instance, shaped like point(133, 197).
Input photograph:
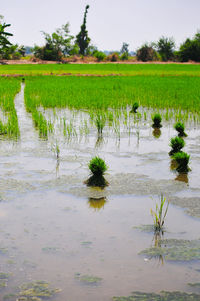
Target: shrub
point(100, 56)
point(190, 49)
point(180, 128)
point(176, 144)
point(146, 53)
point(182, 160)
point(156, 118)
point(97, 166)
point(124, 56)
point(114, 57)
point(165, 47)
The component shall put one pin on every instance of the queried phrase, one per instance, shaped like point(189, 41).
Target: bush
point(165, 47)
point(99, 55)
point(156, 118)
point(146, 53)
point(190, 49)
point(176, 144)
point(114, 57)
point(124, 56)
point(182, 160)
point(180, 128)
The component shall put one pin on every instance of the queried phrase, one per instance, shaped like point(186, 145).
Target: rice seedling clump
point(176, 144)
point(156, 120)
point(135, 107)
point(180, 128)
point(97, 166)
point(182, 160)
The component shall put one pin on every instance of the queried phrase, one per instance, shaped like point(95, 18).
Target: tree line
point(61, 44)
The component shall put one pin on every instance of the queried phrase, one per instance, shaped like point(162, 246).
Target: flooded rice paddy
point(65, 241)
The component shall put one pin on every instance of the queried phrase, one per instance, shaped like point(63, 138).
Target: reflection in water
point(57, 167)
point(156, 247)
point(173, 164)
point(97, 203)
point(100, 141)
point(156, 133)
point(182, 177)
point(96, 181)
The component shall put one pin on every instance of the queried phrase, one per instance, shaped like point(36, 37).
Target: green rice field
point(103, 69)
point(8, 121)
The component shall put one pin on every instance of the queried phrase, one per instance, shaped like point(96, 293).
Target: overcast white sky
point(109, 22)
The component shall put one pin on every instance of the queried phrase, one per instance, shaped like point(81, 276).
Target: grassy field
point(103, 69)
point(114, 92)
point(8, 118)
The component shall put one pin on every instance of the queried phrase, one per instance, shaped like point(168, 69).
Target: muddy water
point(54, 228)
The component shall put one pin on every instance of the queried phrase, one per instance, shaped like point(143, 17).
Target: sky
point(109, 22)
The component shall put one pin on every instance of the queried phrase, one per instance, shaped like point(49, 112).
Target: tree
point(4, 42)
point(124, 51)
point(146, 53)
point(57, 44)
point(190, 49)
point(82, 38)
point(165, 47)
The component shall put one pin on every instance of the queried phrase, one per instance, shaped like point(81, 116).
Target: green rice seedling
point(135, 107)
point(57, 151)
point(159, 214)
point(180, 128)
point(3, 130)
point(156, 118)
point(100, 123)
point(176, 144)
point(8, 89)
point(97, 167)
point(182, 160)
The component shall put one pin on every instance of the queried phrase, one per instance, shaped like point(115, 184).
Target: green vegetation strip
point(102, 69)
point(8, 118)
point(113, 92)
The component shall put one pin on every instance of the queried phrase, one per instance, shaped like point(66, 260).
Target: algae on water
point(162, 296)
point(175, 250)
point(36, 291)
point(87, 279)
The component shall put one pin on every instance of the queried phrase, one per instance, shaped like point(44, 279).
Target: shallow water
point(52, 226)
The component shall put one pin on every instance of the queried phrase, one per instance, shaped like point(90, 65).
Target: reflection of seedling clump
point(162, 296)
point(176, 144)
point(182, 160)
point(180, 128)
point(156, 120)
point(97, 203)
